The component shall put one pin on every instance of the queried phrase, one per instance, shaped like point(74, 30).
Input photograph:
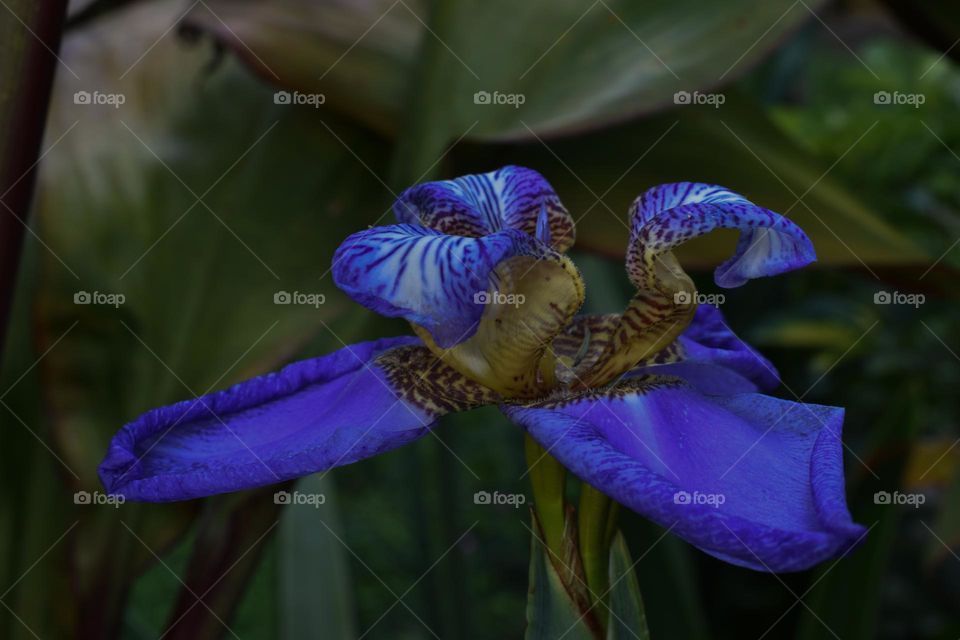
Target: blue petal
point(708, 354)
point(429, 278)
point(712, 358)
point(310, 416)
point(665, 217)
point(481, 204)
point(668, 215)
point(776, 466)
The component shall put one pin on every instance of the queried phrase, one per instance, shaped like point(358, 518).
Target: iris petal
point(708, 350)
point(489, 307)
point(480, 204)
point(310, 416)
point(434, 280)
point(748, 478)
point(533, 300)
point(670, 214)
point(665, 217)
point(712, 355)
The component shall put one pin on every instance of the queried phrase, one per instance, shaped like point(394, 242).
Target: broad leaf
point(551, 611)
point(627, 617)
point(574, 64)
point(147, 136)
point(555, 605)
point(737, 146)
point(315, 589)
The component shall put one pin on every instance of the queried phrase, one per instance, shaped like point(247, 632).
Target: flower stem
point(27, 66)
point(596, 524)
point(548, 478)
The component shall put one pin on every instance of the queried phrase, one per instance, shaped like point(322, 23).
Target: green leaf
point(557, 601)
point(315, 590)
point(577, 64)
point(551, 611)
point(627, 618)
point(119, 214)
point(738, 146)
point(232, 537)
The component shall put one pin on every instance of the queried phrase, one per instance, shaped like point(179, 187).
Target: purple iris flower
point(659, 407)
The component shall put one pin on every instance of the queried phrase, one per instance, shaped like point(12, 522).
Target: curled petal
point(433, 280)
point(533, 300)
point(480, 204)
point(748, 478)
point(667, 216)
point(708, 352)
point(310, 416)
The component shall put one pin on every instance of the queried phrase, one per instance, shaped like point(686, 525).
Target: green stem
point(596, 524)
point(426, 127)
point(27, 67)
point(547, 477)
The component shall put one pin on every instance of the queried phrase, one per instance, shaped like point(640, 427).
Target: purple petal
point(764, 476)
point(668, 215)
point(434, 280)
point(480, 204)
point(310, 416)
point(711, 357)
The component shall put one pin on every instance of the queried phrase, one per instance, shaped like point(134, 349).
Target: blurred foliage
point(583, 64)
point(201, 197)
point(910, 161)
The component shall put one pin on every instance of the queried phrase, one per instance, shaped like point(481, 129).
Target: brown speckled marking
point(421, 379)
point(568, 344)
point(506, 351)
point(651, 323)
point(631, 386)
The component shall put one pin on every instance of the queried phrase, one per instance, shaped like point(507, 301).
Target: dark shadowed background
point(200, 158)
